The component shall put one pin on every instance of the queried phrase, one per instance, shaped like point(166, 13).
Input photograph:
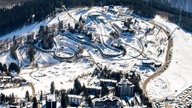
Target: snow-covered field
point(18, 92)
point(62, 74)
point(178, 76)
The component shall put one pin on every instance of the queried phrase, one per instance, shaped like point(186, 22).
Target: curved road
point(164, 66)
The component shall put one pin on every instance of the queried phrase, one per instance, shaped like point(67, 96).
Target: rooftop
point(124, 81)
point(94, 87)
point(108, 80)
point(103, 99)
point(75, 96)
point(51, 97)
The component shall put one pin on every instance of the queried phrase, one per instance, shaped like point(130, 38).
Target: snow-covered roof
point(108, 80)
point(75, 96)
point(124, 81)
point(103, 99)
point(94, 87)
point(6, 77)
point(51, 97)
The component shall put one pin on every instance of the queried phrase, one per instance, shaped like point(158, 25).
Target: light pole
point(176, 28)
point(180, 16)
point(33, 17)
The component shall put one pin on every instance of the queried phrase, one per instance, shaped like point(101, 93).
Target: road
point(164, 66)
point(32, 87)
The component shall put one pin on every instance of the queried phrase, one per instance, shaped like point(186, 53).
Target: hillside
point(95, 43)
point(185, 5)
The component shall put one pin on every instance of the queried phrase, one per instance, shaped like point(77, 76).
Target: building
point(125, 88)
point(94, 90)
point(51, 101)
point(148, 63)
point(75, 99)
point(157, 65)
point(106, 102)
point(6, 79)
point(109, 82)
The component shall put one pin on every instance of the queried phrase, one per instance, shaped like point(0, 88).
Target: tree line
point(4, 69)
point(7, 99)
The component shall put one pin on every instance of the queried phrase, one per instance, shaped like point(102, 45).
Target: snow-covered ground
point(64, 73)
point(178, 76)
point(44, 58)
point(18, 92)
point(7, 59)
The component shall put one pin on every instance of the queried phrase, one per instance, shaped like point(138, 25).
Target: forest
point(19, 15)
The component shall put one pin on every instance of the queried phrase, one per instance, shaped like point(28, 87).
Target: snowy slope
point(178, 76)
point(24, 30)
point(64, 73)
point(7, 59)
point(42, 59)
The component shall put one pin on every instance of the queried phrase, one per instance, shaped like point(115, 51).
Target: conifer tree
point(52, 89)
point(64, 100)
point(35, 104)
point(27, 95)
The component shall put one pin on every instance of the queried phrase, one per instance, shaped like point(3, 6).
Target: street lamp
point(33, 17)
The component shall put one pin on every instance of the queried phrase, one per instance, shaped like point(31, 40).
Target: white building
point(75, 99)
point(94, 90)
point(51, 101)
point(108, 82)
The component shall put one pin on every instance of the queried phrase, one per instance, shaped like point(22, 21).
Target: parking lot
point(183, 100)
point(186, 96)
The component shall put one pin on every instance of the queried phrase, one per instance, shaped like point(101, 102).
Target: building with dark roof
point(106, 102)
point(125, 88)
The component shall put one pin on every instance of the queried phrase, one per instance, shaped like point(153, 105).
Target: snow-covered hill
point(143, 51)
point(185, 5)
